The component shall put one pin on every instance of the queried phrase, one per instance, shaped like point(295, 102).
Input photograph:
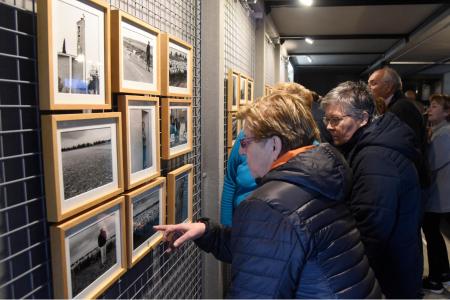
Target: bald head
point(384, 82)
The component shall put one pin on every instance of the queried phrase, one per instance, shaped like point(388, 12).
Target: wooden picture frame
point(88, 252)
point(141, 205)
point(267, 90)
point(176, 67)
point(74, 54)
point(233, 126)
point(135, 53)
point(180, 191)
point(140, 130)
point(82, 156)
point(177, 132)
point(250, 91)
point(233, 90)
point(242, 90)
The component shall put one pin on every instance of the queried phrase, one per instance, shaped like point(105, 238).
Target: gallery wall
point(26, 259)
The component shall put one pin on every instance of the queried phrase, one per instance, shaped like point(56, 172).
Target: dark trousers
point(437, 251)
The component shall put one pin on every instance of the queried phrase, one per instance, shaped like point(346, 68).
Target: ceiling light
point(309, 41)
point(306, 2)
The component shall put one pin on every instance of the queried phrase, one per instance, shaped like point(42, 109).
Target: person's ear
point(276, 147)
point(364, 119)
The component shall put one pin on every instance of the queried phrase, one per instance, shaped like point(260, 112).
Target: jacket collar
point(290, 154)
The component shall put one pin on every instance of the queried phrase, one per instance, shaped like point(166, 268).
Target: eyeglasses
point(333, 121)
point(246, 141)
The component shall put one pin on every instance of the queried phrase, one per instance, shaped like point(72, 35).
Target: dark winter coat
point(407, 112)
point(386, 204)
point(294, 237)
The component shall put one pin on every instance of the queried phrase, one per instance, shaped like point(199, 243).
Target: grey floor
point(446, 294)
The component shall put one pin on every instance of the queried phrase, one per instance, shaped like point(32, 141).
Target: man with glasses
point(385, 197)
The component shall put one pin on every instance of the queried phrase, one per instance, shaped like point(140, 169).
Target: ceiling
point(361, 35)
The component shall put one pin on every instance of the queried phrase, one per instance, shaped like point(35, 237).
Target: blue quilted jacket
point(294, 237)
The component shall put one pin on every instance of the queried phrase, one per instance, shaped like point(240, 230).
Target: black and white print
point(181, 198)
point(146, 214)
point(93, 251)
point(79, 45)
point(139, 57)
point(179, 118)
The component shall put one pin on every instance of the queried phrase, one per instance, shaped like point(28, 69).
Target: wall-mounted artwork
point(179, 194)
point(140, 120)
point(233, 95)
point(146, 207)
point(135, 55)
point(82, 161)
point(176, 67)
point(243, 90)
point(176, 127)
point(233, 128)
point(267, 90)
point(250, 92)
point(88, 252)
point(73, 53)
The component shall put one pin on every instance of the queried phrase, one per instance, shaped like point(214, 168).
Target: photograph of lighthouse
point(79, 46)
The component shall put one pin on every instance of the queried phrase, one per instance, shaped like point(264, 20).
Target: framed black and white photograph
point(179, 194)
point(250, 91)
point(146, 207)
point(73, 50)
point(233, 90)
point(176, 127)
point(140, 119)
point(88, 252)
point(233, 129)
point(82, 161)
point(135, 55)
point(243, 90)
point(177, 67)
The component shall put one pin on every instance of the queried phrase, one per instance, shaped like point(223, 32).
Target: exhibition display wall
point(114, 96)
point(239, 64)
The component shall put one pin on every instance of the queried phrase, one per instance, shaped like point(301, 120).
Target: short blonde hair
point(295, 89)
point(283, 115)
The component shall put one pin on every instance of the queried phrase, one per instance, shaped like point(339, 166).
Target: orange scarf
point(290, 154)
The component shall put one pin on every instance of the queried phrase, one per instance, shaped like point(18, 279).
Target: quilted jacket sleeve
point(267, 254)
point(374, 200)
point(216, 240)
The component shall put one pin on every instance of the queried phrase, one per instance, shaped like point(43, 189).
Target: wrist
point(204, 221)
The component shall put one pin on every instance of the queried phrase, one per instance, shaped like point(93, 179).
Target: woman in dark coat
point(385, 198)
point(293, 237)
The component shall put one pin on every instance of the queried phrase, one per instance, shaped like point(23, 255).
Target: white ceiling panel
point(326, 46)
point(389, 19)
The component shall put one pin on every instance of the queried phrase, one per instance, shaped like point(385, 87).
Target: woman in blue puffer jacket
point(293, 237)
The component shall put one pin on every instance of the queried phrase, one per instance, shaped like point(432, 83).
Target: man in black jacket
point(385, 198)
point(387, 84)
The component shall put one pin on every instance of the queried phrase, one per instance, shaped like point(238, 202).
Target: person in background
point(238, 183)
point(411, 96)
point(312, 102)
point(438, 203)
point(385, 198)
point(293, 237)
point(387, 84)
